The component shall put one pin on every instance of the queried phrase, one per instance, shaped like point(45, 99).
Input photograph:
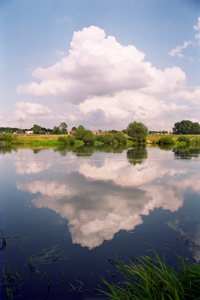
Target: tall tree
point(63, 127)
point(36, 129)
point(186, 127)
point(81, 127)
point(138, 131)
point(56, 130)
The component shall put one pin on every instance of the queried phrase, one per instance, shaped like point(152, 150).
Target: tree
point(36, 129)
point(74, 128)
point(56, 130)
point(186, 127)
point(138, 131)
point(81, 127)
point(85, 135)
point(63, 127)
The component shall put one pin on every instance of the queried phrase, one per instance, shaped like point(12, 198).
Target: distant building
point(29, 132)
point(70, 131)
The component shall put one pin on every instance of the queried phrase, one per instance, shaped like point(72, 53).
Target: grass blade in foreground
point(153, 279)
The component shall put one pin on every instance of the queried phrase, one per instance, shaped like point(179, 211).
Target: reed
point(152, 279)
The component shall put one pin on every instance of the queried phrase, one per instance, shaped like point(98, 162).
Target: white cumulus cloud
point(29, 109)
point(104, 81)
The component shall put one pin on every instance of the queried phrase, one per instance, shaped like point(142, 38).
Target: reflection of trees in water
point(165, 147)
point(8, 149)
point(136, 155)
point(111, 148)
point(186, 152)
point(84, 151)
point(36, 151)
point(89, 150)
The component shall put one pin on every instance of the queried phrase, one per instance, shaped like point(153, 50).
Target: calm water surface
point(67, 213)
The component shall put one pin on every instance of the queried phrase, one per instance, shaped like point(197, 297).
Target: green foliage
point(152, 279)
point(81, 127)
point(8, 139)
point(56, 130)
point(186, 127)
point(74, 128)
point(105, 138)
point(196, 141)
point(97, 143)
point(63, 127)
point(183, 138)
point(68, 140)
point(36, 129)
point(129, 143)
point(165, 140)
point(8, 129)
point(79, 143)
point(138, 131)
point(84, 135)
point(120, 138)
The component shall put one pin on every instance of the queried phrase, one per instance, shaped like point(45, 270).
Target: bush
point(66, 140)
point(8, 139)
point(166, 140)
point(120, 138)
point(183, 138)
point(84, 135)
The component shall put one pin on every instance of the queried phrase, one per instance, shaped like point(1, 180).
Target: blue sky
point(100, 63)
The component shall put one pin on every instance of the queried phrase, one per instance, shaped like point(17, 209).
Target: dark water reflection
point(92, 202)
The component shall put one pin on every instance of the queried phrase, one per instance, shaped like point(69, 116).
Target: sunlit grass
point(152, 279)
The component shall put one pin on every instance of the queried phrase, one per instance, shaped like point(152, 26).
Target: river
point(66, 214)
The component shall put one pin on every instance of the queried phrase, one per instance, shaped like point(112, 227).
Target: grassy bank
point(58, 140)
point(49, 141)
point(152, 138)
point(152, 279)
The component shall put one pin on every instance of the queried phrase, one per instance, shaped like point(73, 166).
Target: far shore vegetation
point(183, 134)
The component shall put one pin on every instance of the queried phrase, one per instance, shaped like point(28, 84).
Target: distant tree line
point(158, 132)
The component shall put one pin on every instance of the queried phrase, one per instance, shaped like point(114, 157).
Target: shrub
point(120, 138)
point(6, 137)
point(66, 140)
point(107, 138)
point(183, 138)
point(84, 135)
point(165, 140)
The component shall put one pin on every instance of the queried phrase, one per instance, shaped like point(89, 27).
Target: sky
point(100, 63)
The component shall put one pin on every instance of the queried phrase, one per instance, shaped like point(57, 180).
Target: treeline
point(88, 137)
point(158, 132)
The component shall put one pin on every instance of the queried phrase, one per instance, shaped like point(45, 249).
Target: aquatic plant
point(152, 279)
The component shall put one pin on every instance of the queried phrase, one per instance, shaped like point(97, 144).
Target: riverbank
point(34, 140)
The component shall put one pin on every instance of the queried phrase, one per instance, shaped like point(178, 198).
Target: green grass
point(152, 279)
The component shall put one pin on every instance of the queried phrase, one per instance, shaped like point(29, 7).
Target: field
point(156, 137)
